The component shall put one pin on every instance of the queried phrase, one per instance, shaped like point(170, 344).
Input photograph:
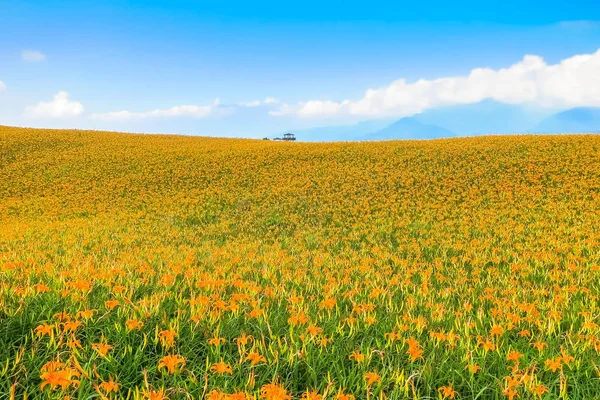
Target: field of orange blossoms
point(151, 266)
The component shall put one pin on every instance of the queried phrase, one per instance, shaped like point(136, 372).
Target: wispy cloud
point(2, 85)
point(32, 56)
point(251, 104)
point(582, 24)
point(59, 107)
point(574, 81)
point(271, 100)
point(194, 111)
point(216, 109)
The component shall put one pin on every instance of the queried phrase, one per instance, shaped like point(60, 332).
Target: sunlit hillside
point(153, 266)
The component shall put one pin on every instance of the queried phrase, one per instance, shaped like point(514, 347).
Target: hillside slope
point(218, 268)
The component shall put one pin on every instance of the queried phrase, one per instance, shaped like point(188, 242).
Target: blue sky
point(202, 67)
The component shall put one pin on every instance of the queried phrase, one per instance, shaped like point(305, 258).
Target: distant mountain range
point(409, 128)
point(487, 117)
point(582, 119)
point(343, 132)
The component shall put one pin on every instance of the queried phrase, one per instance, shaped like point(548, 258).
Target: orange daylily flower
point(156, 394)
point(539, 390)
point(216, 341)
point(273, 391)
point(111, 304)
point(109, 386)
point(371, 378)
point(255, 358)
point(102, 348)
point(44, 329)
point(496, 330)
point(221, 368)
point(514, 356)
point(554, 364)
point(357, 356)
point(55, 374)
point(447, 392)
point(343, 396)
point(312, 395)
point(171, 362)
point(539, 345)
point(313, 330)
point(167, 337)
point(244, 339)
point(134, 324)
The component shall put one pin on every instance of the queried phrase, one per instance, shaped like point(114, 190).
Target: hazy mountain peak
point(410, 128)
point(575, 120)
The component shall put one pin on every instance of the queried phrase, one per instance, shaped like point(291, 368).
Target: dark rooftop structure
point(287, 136)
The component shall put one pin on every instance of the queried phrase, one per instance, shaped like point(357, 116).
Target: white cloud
point(271, 100)
point(574, 81)
point(177, 111)
point(2, 85)
point(59, 107)
point(251, 104)
point(33, 56)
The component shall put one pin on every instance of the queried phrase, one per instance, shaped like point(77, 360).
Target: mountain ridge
point(486, 117)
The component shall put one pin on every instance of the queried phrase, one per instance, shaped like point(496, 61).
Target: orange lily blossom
point(171, 362)
point(221, 368)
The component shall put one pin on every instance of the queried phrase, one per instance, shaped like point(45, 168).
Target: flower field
point(154, 266)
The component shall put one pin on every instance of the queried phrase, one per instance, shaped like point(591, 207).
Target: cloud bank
point(574, 81)
point(59, 107)
point(32, 56)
